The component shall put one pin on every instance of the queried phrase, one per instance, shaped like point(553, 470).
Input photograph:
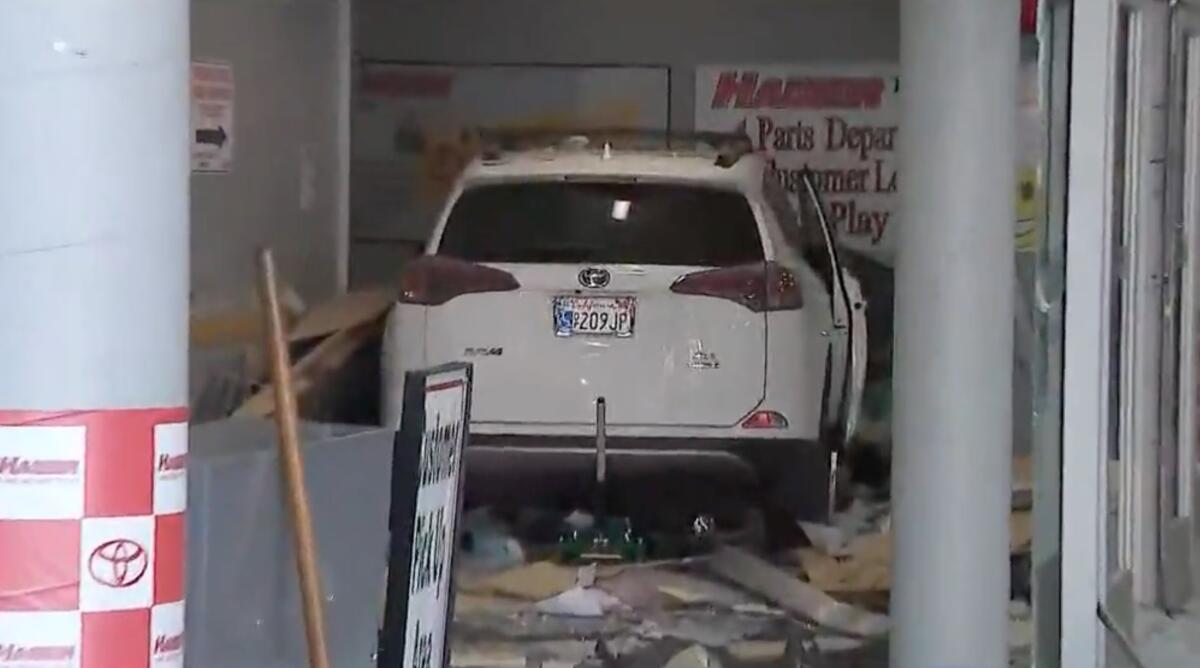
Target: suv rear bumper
point(791, 475)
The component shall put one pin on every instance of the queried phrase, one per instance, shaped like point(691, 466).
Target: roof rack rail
point(729, 146)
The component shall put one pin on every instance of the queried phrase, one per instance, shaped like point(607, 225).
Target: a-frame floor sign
point(427, 497)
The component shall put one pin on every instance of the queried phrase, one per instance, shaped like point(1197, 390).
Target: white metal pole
point(93, 203)
point(1087, 329)
point(93, 329)
point(952, 464)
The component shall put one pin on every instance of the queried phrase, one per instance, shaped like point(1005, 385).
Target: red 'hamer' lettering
point(18, 466)
point(168, 463)
point(28, 654)
point(747, 90)
point(164, 643)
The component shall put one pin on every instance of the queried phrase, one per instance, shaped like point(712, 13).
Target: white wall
point(678, 33)
point(285, 60)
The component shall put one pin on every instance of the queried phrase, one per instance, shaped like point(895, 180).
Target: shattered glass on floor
point(821, 605)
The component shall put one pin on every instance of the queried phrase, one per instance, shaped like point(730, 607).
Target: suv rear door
point(848, 340)
point(643, 293)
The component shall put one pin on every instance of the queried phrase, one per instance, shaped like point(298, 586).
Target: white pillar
point(93, 329)
point(954, 333)
point(1086, 331)
point(93, 203)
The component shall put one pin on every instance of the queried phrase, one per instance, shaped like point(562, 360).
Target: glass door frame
point(1180, 498)
point(1141, 272)
point(1054, 55)
point(1096, 579)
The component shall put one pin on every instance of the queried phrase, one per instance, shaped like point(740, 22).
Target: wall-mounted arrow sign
point(212, 117)
point(215, 137)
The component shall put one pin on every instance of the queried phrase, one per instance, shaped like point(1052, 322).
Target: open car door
point(848, 340)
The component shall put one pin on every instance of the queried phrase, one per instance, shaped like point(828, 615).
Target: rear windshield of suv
point(602, 223)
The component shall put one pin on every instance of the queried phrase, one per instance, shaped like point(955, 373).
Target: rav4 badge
point(483, 352)
point(701, 359)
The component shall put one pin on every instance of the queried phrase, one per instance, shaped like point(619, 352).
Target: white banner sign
point(435, 530)
point(839, 121)
point(212, 117)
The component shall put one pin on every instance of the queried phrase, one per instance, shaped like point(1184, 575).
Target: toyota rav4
point(670, 277)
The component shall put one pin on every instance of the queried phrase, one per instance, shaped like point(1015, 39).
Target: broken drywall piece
point(535, 582)
point(866, 568)
point(490, 655)
point(624, 645)
point(637, 589)
point(580, 602)
point(1020, 633)
point(710, 629)
point(681, 595)
point(758, 609)
point(829, 539)
point(660, 588)
point(695, 656)
point(560, 653)
point(834, 644)
point(586, 576)
point(783, 589)
point(758, 651)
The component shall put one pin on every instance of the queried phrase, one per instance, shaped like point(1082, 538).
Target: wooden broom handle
point(292, 464)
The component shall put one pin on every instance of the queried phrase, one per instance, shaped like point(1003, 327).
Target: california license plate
point(594, 316)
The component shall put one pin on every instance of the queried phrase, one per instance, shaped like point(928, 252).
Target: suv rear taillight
point(431, 280)
point(764, 286)
point(765, 420)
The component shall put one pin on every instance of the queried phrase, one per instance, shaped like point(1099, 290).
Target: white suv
point(670, 277)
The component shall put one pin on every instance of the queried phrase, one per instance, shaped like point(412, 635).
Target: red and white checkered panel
point(92, 538)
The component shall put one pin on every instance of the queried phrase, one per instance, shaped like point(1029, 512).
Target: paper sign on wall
point(212, 117)
point(839, 121)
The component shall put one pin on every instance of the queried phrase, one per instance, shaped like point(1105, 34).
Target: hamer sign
point(839, 121)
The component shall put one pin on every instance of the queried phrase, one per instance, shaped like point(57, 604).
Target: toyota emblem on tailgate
point(594, 277)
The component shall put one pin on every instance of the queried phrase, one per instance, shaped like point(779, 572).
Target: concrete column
point(954, 333)
point(94, 175)
point(93, 204)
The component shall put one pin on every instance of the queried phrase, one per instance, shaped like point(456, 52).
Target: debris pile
point(334, 344)
point(822, 604)
point(721, 609)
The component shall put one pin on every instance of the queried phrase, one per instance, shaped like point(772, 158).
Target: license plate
point(594, 316)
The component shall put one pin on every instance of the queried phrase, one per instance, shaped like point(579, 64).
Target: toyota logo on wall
point(118, 563)
point(594, 277)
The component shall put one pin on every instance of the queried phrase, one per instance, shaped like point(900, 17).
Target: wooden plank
point(326, 356)
point(343, 312)
point(240, 325)
point(291, 463)
point(227, 328)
